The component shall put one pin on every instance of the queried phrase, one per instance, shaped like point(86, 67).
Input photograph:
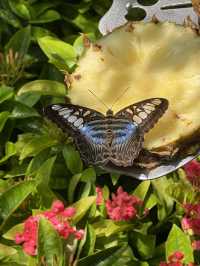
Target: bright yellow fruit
point(151, 60)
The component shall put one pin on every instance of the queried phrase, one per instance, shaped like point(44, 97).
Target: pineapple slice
point(151, 60)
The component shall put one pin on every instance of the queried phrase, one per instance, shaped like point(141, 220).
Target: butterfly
point(112, 138)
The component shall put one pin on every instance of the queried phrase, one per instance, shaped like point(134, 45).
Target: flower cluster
point(123, 206)
point(191, 220)
point(176, 260)
point(192, 170)
point(59, 217)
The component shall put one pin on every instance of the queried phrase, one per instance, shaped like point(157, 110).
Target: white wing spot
point(137, 119)
point(86, 113)
point(129, 111)
point(156, 101)
point(56, 107)
point(142, 115)
point(65, 111)
point(149, 106)
point(78, 122)
point(147, 111)
point(72, 119)
point(76, 113)
point(66, 115)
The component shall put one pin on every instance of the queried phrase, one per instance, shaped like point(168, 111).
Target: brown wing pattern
point(71, 118)
point(145, 113)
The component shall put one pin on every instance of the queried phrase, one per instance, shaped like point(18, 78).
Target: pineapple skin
point(151, 60)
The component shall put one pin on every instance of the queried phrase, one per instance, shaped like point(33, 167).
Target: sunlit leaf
point(11, 199)
point(178, 241)
point(82, 206)
point(50, 245)
point(72, 159)
point(58, 52)
point(10, 150)
point(43, 87)
point(5, 93)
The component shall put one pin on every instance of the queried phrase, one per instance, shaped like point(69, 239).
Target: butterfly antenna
point(107, 107)
point(119, 97)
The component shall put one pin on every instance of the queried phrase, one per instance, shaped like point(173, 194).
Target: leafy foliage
point(38, 163)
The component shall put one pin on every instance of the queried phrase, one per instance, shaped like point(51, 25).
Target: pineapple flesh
point(145, 60)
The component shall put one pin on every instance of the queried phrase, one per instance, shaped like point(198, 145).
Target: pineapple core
point(151, 60)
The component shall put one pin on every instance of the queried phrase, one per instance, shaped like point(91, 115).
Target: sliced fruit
point(151, 60)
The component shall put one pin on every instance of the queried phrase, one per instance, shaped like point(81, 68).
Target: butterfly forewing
point(145, 113)
point(71, 117)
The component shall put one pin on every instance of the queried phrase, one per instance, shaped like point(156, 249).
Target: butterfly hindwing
point(145, 113)
point(71, 117)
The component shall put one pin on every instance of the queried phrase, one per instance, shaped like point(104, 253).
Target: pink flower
point(192, 210)
point(79, 234)
point(57, 206)
point(176, 256)
point(29, 249)
point(58, 218)
point(19, 238)
point(196, 244)
point(191, 221)
point(122, 207)
point(69, 212)
point(175, 260)
point(99, 192)
point(192, 170)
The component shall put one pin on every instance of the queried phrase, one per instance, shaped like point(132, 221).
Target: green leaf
point(3, 118)
point(109, 227)
point(21, 111)
point(142, 189)
point(20, 8)
point(9, 18)
point(59, 53)
point(29, 99)
point(50, 246)
point(43, 87)
point(90, 240)
point(46, 17)
point(10, 234)
point(72, 186)
point(165, 202)
point(178, 241)
point(6, 251)
point(37, 162)
point(40, 7)
point(37, 144)
point(11, 199)
point(115, 256)
point(145, 244)
point(42, 178)
point(82, 206)
point(88, 175)
point(5, 93)
point(20, 41)
point(39, 32)
point(16, 170)
point(72, 159)
point(10, 150)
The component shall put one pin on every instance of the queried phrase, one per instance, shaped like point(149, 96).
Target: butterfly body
point(108, 139)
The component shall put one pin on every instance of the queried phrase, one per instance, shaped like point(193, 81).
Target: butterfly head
point(109, 113)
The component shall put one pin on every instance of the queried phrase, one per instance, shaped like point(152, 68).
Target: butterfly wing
point(80, 122)
point(145, 113)
point(71, 118)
